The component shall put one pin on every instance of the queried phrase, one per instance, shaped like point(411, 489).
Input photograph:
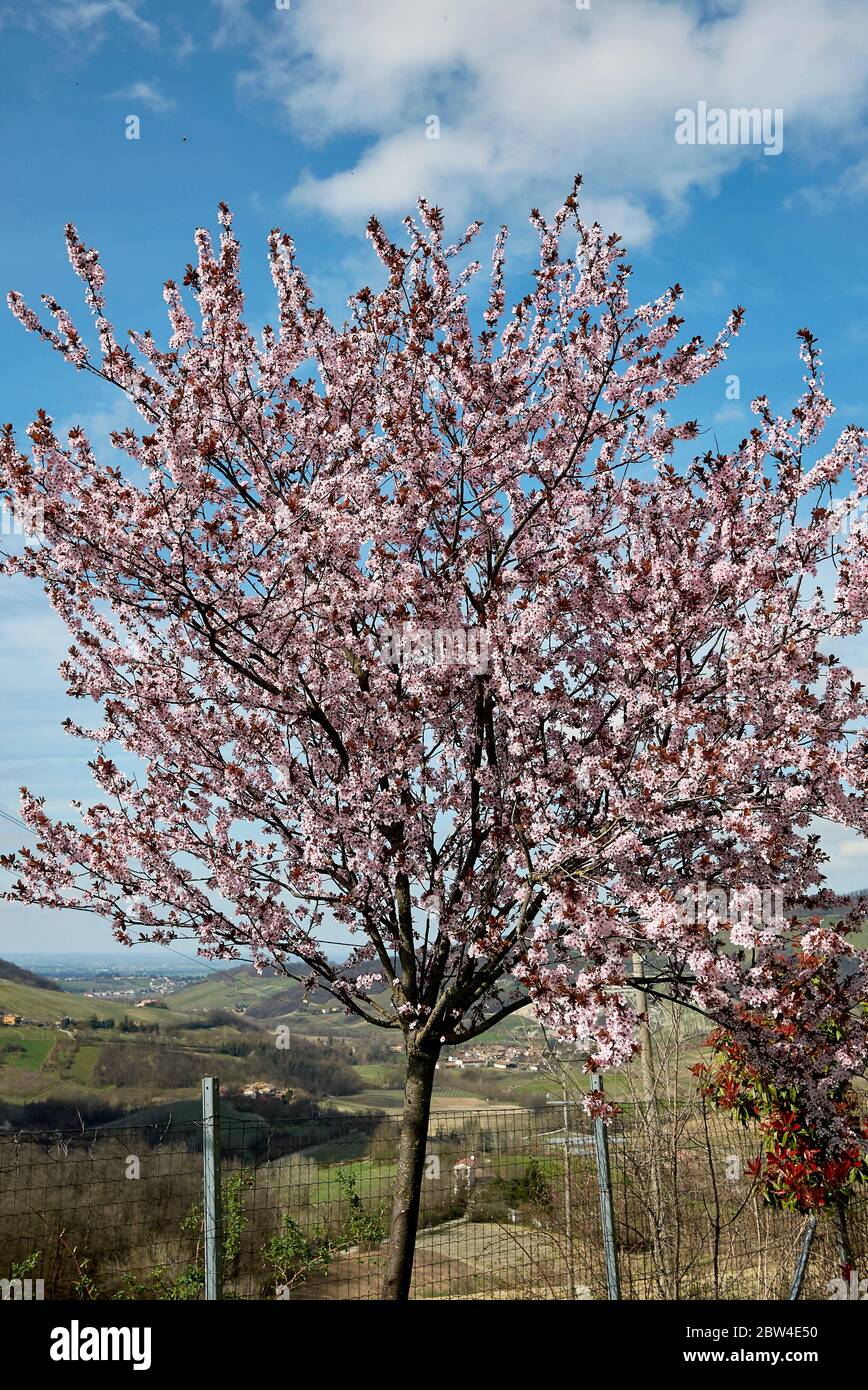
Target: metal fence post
point(842, 1238)
point(804, 1255)
point(607, 1211)
point(568, 1203)
point(213, 1205)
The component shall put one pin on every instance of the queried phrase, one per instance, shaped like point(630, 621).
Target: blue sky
point(313, 115)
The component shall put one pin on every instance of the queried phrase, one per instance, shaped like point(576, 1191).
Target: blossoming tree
point(438, 633)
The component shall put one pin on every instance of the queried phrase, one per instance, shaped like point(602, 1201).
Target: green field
point(84, 1061)
point(370, 1072)
point(372, 1180)
point(35, 1042)
point(228, 989)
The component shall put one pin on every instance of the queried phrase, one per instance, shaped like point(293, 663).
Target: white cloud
point(853, 848)
point(826, 197)
point(529, 94)
point(145, 94)
point(81, 21)
point(100, 420)
point(184, 48)
point(730, 414)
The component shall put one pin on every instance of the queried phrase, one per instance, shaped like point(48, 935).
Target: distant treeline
point(85, 1112)
point(317, 1069)
point(853, 899)
point(126, 1025)
point(215, 1018)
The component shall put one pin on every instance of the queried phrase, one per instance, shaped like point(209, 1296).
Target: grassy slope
point(229, 989)
point(36, 1042)
point(274, 1000)
point(47, 1006)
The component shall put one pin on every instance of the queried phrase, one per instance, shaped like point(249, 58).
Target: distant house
point(262, 1088)
point(10, 1019)
point(468, 1173)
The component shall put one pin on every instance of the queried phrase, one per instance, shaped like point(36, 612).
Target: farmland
point(103, 1054)
point(96, 1052)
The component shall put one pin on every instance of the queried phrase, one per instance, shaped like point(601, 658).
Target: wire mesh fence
point(510, 1209)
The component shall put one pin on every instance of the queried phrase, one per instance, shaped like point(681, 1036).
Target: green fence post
point(213, 1205)
point(607, 1210)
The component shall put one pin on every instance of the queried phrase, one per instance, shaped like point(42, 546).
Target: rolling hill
point(41, 1005)
point(18, 975)
point(266, 998)
point(262, 996)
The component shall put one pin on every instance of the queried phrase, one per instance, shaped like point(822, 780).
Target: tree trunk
point(411, 1163)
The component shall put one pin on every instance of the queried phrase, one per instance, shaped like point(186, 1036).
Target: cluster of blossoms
point(438, 647)
point(25, 520)
point(660, 704)
point(746, 911)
